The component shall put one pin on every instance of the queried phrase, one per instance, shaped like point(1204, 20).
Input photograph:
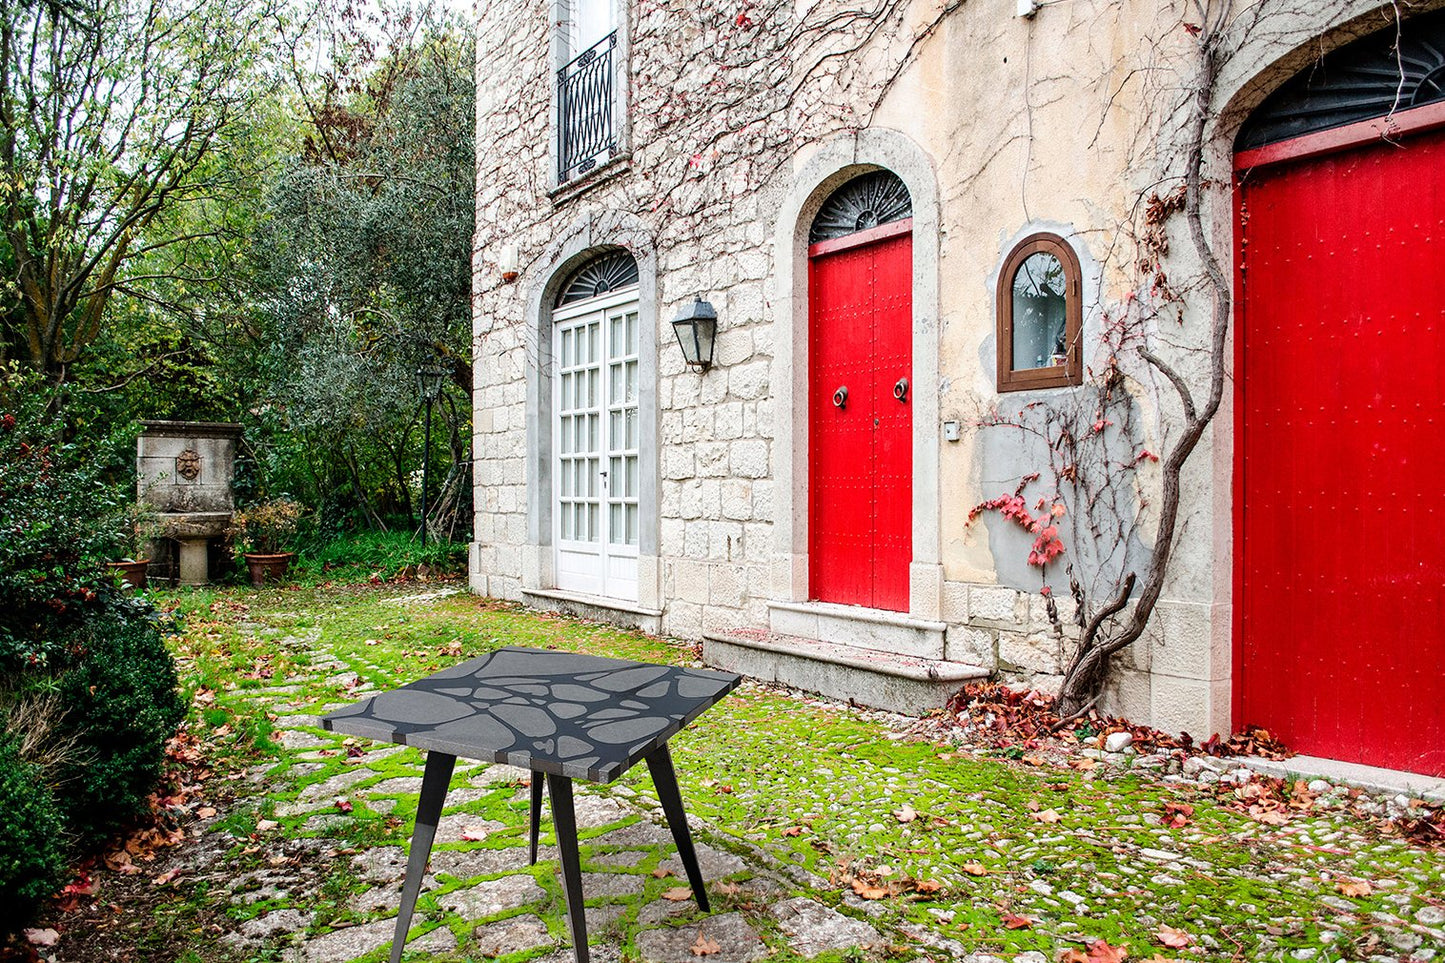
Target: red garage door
point(1340, 554)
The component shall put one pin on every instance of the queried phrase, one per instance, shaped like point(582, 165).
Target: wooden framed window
point(1040, 316)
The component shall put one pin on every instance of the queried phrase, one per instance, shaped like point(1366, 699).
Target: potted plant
point(264, 533)
point(134, 526)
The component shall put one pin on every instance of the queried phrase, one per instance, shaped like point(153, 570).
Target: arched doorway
point(597, 429)
point(1340, 449)
point(860, 423)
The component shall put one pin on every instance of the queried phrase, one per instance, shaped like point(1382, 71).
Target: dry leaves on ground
point(704, 946)
point(1173, 938)
point(677, 894)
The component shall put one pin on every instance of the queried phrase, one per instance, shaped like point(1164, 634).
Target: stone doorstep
point(628, 615)
point(1369, 778)
point(881, 680)
point(858, 627)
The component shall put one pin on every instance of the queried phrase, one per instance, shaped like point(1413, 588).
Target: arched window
point(861, 204)
point(1040, 316)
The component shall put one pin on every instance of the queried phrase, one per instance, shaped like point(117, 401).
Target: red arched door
point(1340, 577)
point(860, 422)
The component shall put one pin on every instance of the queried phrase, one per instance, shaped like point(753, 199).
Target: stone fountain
point(184, 471)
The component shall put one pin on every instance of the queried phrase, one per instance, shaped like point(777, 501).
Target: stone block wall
point(724, 108)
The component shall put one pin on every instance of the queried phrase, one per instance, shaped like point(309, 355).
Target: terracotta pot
point(133, 574)
point(268, 568)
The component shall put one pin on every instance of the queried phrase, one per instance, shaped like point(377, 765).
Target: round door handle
point(840, 397)
point(900, 389)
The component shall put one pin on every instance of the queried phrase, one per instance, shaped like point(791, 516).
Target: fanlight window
point(610, 272)
point(1039, 317)
point(862, 203)
point(1374, 76)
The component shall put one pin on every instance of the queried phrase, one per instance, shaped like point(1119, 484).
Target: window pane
point(592, 388)
point(592, 422)
point(566, 521)
point(630, 441)
point(632, 333)
point(630, 489)
point(1040, 312)
point(592, 343)
point(631, 381)
point(592, 522)
point(614, 525)
point(592, 472)
point(631, 524)
point(614, 387)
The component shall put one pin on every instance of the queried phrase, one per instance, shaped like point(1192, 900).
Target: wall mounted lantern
point(696, 327)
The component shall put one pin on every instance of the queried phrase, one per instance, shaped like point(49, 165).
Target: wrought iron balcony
point(586, 130)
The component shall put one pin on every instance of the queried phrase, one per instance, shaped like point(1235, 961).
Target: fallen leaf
point(1172, 938)
point(1013, 921)
point(704, 946)
point(266, 825)
point(661, 873)
point(1101, 952)
point(1072, 955)
point(793, 831)
point(343, 805)
point(867, 890)
point(728, 889)
point(1354, 887)
point(905, 815)
point(1083, 765)
point(205, 812)
point(45, 937)
point(1047, 816)
point(975, 869)
point(677, 894)
point(928, 886)
point(472, 834)
point(1177, 814)
point(166, 877)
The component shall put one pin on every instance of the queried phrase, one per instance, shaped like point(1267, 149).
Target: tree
point(109, 110)
point(363, 262)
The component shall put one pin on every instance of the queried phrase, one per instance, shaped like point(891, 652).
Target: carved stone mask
point(188, 464)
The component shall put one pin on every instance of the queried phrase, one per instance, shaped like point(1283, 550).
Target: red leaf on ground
point(1101, 952)
point(704, 946)
point(1013, 921)
point(1172, 938)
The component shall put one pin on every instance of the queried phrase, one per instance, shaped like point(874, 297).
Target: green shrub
point(32, 841)
point(122, 706)
point(363, 554)
point(55, 529)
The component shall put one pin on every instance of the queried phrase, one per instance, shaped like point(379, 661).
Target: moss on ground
point(1078, 854)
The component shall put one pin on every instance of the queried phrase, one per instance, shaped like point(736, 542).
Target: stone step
point(858, 627)
point(869, 677)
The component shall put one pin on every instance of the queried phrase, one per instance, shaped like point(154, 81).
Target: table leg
point(564, 821)
point(659, 763)
point(434, 783)
point(538, 779)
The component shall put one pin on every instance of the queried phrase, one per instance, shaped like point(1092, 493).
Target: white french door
point(595, 434)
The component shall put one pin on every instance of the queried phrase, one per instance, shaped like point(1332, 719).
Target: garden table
point(563, 716)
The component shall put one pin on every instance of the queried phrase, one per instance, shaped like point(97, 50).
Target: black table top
point(574, 715)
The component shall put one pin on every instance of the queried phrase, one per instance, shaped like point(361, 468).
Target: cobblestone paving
point(314, 852)
point(481, 893)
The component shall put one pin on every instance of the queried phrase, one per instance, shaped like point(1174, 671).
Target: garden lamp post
point(429, 379)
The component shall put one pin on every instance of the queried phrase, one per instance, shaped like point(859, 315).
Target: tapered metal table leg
point(564, 821)
point(659, 763)
point(538, 779)
point(434, 783)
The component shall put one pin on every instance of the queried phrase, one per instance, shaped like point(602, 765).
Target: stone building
point(945, 246)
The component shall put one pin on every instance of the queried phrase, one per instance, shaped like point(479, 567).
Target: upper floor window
point(587, 87)
point(1040, 316)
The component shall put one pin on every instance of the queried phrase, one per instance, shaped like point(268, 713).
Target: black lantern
point(429, 380)
point(696, 327)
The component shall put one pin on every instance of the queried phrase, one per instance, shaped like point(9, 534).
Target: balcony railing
point(586, 133)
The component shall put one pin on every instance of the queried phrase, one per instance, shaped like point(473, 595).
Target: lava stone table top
point(581, 716)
